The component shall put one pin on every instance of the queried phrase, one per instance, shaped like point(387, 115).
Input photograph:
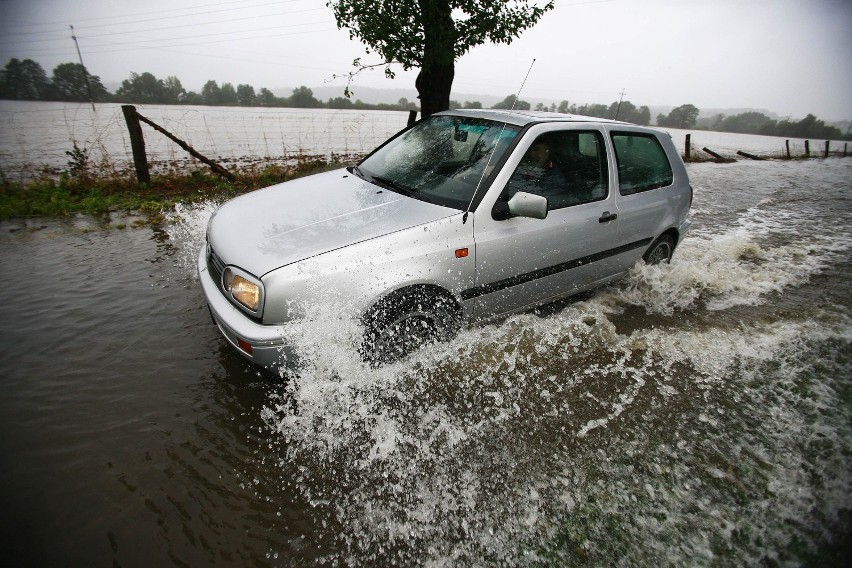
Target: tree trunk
point(433, 86)
point(435, 80)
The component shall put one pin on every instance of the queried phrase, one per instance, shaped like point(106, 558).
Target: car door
point(522, 262)
point(647, 201)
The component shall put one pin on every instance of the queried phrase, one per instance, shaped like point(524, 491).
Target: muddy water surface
point(697, 413)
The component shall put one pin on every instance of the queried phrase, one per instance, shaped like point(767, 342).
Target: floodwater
point(693, 414)
point(36, 136)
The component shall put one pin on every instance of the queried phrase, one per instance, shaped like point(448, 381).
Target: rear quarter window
point(642, 162)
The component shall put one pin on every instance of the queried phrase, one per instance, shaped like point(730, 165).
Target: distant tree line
point(617, 110)
point(684, 116)
point(26, 80)
point(759, 123)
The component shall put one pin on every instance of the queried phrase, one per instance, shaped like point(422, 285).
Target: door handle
point(607, 217)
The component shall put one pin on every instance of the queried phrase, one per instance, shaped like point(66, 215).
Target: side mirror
point(525, 204)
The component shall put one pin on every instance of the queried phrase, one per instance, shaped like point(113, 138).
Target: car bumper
point(684, 227)
point(264, 345)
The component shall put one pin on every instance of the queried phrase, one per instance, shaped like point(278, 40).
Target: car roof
point(524, 117)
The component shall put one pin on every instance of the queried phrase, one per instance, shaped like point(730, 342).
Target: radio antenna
point(518, 96)
point(496, 141)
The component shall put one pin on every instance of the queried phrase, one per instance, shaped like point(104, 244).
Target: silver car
point(465, 216)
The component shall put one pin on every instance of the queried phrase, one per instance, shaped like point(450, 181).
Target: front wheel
point(401, 324)
point(660, 251)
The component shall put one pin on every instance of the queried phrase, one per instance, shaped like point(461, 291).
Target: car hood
point(298, 219)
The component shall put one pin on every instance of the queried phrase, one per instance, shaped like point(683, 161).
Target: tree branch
point(350, 77)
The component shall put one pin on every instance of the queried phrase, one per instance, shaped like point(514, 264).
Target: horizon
point(391, 95)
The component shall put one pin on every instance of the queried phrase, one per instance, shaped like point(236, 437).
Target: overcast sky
point(790, 57)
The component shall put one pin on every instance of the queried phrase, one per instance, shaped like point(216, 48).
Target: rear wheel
point(403, 322)
point(660, 251)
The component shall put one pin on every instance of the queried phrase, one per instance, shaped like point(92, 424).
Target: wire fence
point(35, 136)
point(728, 144)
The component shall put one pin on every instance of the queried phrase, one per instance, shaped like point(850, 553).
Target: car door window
point(642, 162)
point(568, 168)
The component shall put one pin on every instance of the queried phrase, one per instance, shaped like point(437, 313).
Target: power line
point(275, 63)
point(217, 34)
point(197, 24)
point(200, 13)
point(271, 36)
point(557, 4)
point(96, 47)
point(193, 24)
point(222, 40)
point(161, 28)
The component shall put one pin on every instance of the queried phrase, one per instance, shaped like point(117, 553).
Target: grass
point(78, 191)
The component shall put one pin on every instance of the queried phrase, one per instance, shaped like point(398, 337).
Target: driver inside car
point(539, 172)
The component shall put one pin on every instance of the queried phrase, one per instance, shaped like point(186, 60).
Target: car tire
point(403, 322)
point(660, 251)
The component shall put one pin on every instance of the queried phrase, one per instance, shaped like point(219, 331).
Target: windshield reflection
point(443, 159)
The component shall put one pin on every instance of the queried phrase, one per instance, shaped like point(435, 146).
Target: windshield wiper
point(357, 171)
point(391, 184)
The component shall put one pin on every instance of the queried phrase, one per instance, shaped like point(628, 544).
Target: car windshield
point(443, 159)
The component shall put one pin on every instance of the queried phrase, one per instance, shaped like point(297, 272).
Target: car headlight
point(243, 288)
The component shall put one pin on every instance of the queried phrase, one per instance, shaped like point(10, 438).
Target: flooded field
point(693, 414)
point(36, 136)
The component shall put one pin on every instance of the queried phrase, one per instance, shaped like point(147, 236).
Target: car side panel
point(351, 279)
point(522, 262)
point(648, 214)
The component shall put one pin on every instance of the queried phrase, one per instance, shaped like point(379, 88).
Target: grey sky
point(791, 57)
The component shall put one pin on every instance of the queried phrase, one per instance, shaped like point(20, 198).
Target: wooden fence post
point(137, 143)
point(787, 142)
point(749, 156)
point(807, 148)
point(714, 154)
point(826, 149)
point(687, 146)
point(192, 151)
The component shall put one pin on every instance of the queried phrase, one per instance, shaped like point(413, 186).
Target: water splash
point(187, 225)
point(578, 439)
point(525, 436)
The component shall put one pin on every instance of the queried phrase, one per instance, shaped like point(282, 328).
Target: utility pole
point(618, 108)
point(85, 73)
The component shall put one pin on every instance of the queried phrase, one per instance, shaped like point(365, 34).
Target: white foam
point(186, 225)
point(744, 265)
point(426, 458)
point(554, 441)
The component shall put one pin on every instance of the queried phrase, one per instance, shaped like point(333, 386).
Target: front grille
point(215, 266)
